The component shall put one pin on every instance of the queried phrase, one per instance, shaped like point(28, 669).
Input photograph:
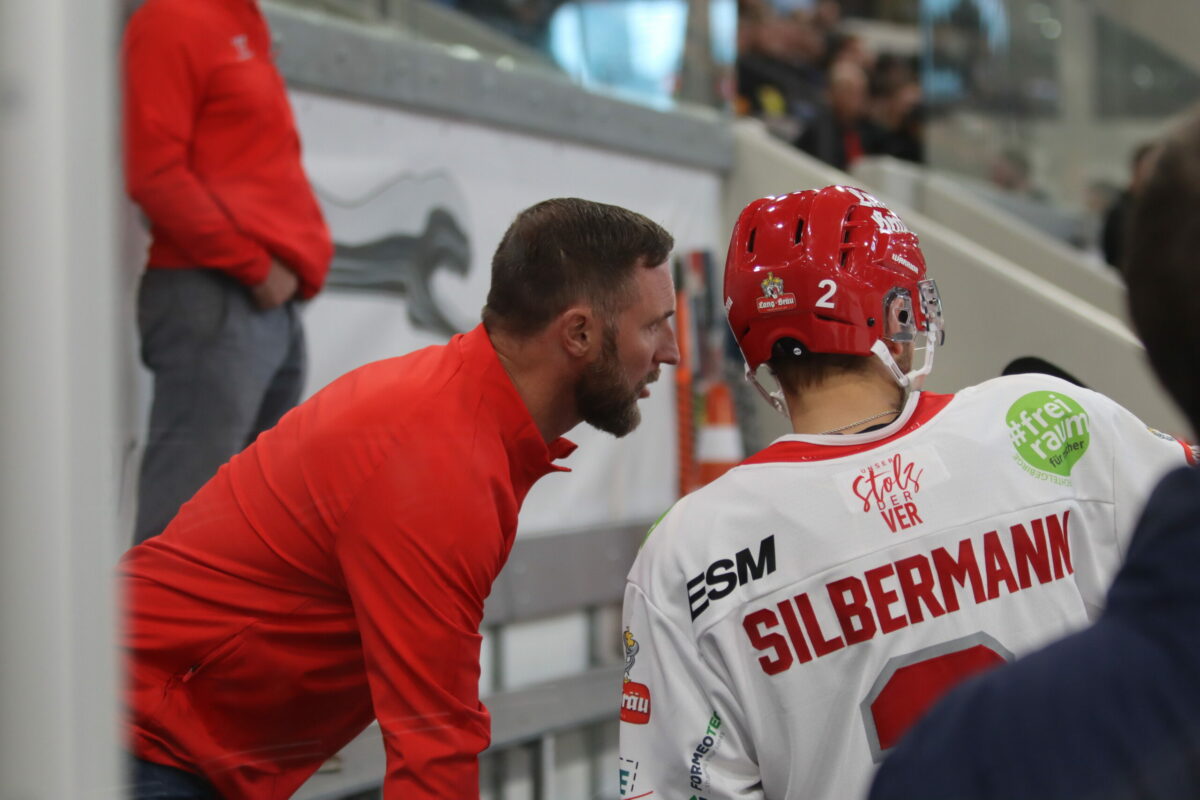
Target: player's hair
point(566, 251)
point(1160, 266)
point(796, 373)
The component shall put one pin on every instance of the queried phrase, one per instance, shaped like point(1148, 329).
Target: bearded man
point(335, 570)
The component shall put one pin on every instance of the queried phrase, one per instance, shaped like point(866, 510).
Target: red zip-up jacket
point(335, 571)
point(211, 150)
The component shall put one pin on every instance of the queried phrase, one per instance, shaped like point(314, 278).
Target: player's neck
point(845, 403)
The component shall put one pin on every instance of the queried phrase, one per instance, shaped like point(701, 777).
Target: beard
point(603, 395)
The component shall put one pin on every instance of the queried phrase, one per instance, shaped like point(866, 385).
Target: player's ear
point(902, 352)
point(578, 331)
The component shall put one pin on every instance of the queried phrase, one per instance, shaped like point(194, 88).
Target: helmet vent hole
point(799, 231)
point(750, 244)
point(847, 228)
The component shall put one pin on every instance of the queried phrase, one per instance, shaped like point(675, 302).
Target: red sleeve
point(419, 556)
point(164, 75)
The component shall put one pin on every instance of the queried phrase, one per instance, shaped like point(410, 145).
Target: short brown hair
point(796, 373)
point(564, 251)
point(1162, 266)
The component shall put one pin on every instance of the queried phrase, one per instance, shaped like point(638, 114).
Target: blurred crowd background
point(1041, 106)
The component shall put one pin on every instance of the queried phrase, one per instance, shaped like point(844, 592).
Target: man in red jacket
point(335, 570)
point(213, 159)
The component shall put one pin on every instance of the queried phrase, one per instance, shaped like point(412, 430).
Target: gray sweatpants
point(224, 371)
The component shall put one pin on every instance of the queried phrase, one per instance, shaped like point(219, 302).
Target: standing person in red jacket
point(212, 157)
point(335, 570)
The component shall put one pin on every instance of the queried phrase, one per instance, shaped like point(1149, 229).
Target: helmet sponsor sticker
point(774, 298)
point(904, 262)
point(887, 222)
point(1050, 434)
point(864, 197)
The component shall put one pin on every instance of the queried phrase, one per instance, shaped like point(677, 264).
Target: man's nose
point(669, 353)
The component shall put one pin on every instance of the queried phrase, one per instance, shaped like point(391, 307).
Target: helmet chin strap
point(914, 380)
point(880, 349)
point(776, 398)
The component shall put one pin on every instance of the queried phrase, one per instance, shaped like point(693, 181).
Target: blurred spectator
point(778, 80)
point(824, 90)
point(843, 132)
point(898, 113)
point(851, 48)
point(1012, 172)
point(828, 15)
point(1112, 236)
point(213, 160)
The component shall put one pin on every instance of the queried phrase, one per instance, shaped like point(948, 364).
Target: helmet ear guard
point(900, 326)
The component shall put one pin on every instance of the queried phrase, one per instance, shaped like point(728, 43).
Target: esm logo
point(725, 575)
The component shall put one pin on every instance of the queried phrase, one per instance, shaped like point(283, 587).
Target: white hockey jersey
point(787, 623)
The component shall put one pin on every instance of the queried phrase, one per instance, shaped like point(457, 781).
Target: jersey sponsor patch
point(726, 574)
point(635, 703)
point(629, 779)
point(708, 744)
point(635, 697)
point(888, 488)
point(1049, 432)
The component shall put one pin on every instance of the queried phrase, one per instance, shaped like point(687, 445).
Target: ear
point(578, 331)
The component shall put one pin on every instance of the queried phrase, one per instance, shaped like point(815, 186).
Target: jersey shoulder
point(1006, 386)
point(1033, 392)
point(685, 533)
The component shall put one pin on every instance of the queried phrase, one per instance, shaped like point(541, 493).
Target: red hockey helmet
point(835, 270)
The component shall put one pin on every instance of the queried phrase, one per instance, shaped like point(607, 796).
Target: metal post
point(58, 282)
point(546, 769)
point(699, 73)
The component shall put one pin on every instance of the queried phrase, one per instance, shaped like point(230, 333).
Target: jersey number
point(910, 684)
point(827, 298)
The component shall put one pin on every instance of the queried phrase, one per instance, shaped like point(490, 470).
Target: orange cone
point(719, 445)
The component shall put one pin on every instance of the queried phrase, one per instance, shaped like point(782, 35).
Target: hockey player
point(792, 619)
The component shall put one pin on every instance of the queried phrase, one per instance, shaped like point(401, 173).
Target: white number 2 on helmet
point(827, 298)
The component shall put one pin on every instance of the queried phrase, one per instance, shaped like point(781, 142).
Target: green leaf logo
point(1049, 431)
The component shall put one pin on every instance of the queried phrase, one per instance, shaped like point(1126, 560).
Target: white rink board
point(377, 169)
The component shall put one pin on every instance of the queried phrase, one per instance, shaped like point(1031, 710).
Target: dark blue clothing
point(1111, 712)
point(150, 781)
